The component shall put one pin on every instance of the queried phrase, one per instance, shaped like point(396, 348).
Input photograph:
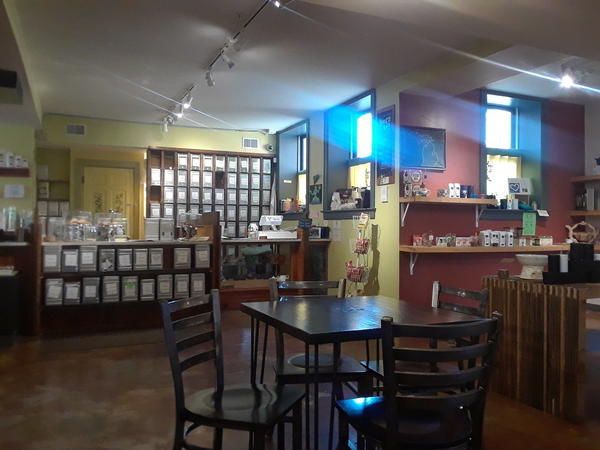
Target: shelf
point(14, 172)
point(134, 272)
point(585, 178)
point(479, 204)
point(13, 244)
point(446, 200)
point(415, 251)
point(584, 213)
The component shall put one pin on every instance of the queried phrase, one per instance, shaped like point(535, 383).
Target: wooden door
point(107, 188)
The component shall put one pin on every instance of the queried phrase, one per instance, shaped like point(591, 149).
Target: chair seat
point(238, 405)
point(299, 360)
point(348, 369)
point(415, 428)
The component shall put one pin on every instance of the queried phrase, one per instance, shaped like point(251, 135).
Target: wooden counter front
point(540, 359)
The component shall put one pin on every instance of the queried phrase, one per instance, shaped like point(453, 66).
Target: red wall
point(563, 153)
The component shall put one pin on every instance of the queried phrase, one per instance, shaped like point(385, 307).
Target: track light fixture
point(227, 60)
point(165, 125)
point(210, 78)
point(187, 101)
point(567, 79)
point(276, 3)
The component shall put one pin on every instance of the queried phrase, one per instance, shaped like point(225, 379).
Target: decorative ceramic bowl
point(533, 266)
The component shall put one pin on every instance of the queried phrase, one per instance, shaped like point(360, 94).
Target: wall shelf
point(585, 178)
point(584, 213)
point(415, 251)
point(14, 172)
point(479, 203)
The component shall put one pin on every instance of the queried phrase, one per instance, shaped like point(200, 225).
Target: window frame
point(302, 154)
point(351, 161)
point(294, 215)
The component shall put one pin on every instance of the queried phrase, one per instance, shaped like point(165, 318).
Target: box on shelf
point(220, 196)
point(207, 162)
point(169, 177)
point(154, 210)
point(129, 289)
point(91, 290)
point(255, 165)
point(195, 162)
point(168, 194)
point(110, 289)
point(140, 259)
point(70, 260)
point(155, 178)
point(164, 286)
point(72, 295)
point(107, 260)
point(195, 178)
point(182, 178)
point(182, 160)
point(182, 285)
point(194, 195)
point(147, 289)
point(151, 229)
point(52, 258)
point(168, 210)
point(182, 257)
point(266, 165)
point(167, 229)
point(207, 179)
point(232, 164)
point(202, 256)
point(219, 164)
point(244, 164)
point(124, 259)
point(88, 257)
point(156, 258)
point(182, 195)
point(54, 291)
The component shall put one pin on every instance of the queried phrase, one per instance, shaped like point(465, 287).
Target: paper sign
point(147, 289)
point(529, 220)
point(14, 191)
point(89, 291)
point(543, 213)
point(87, 257)
point(53, 292)
point(50, 260)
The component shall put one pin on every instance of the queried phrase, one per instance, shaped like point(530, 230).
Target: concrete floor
point(115, 392)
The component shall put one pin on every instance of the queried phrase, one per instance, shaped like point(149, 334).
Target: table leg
point(264, 354)
point(336, 393)
point(316, 418)
point(307, 394)
point(252, 351)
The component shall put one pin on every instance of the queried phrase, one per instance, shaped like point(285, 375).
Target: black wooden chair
point(478, 300)
point(421, 409)
point(292, 369)
point(192, 329)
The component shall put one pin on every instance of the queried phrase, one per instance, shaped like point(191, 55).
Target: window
point(511, 142)
point(302, 142)
point(363, 144)
point(293, 167)
point(349, 141)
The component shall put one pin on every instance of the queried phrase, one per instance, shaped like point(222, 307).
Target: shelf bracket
point(478, 212)
point(403, 211)
point(413, 262)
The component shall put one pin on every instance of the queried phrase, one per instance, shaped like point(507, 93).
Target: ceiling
point(127, 59)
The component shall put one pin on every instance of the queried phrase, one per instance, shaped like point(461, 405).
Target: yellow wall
point(19, 139)
point(129, 134)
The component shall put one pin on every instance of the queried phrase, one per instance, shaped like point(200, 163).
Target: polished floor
point(114, 392)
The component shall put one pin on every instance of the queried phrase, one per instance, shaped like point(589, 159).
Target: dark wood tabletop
point(329, 320)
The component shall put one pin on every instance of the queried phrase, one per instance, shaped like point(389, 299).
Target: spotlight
point(277, 3)
point(567, 81)
point(210, 79)
point(179, 112)
point(227, 60)
point(165, 125)
point(187, 101)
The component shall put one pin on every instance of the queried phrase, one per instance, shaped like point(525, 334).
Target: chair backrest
point(415, 387)
point(308, 288)
point(190, 326)
point(480, 298)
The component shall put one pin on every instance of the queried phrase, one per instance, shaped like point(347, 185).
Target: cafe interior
point(299, 224)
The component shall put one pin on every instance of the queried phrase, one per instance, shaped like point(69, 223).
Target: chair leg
point(260, 440)
point(343, 432)
point(297, 427)
point(281, 435)
point(264, 355)
point(179, 439)
point(218, 438)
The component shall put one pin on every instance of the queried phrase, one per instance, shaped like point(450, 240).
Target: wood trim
point(453, 201)
point(17, 172)
point(212, 152)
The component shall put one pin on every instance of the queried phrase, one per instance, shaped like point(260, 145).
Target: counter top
point(242, 241)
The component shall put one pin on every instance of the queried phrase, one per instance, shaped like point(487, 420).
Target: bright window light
point(360, 175)
point(302, 189)
point(364, 135)
point(499, 170)
point(499, 100)
point(302, 154)
point(498, 128)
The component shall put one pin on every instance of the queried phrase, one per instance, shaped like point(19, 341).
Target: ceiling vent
point(74, 129)
point(250, 143)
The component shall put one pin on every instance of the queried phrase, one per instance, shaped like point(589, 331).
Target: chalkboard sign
point(422, 148)
point(304, 223)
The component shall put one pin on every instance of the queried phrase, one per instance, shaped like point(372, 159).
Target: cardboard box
point(182, 257)
point(124, 259)
point(140, 259)
point(155, 258)
point(202, 256)
point(107, 260)
point(182, 285)
point(129, 289)
point(110, 289)
point(91, 290)
point(147, 289)
point(72, 295)
point(164, 286)
point(54, 291)
point(88, 258)
point(70, 260)
point(51, 260)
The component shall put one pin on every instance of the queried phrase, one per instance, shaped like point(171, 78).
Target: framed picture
point(386, 134)
point(422, 148)
point(315, 194)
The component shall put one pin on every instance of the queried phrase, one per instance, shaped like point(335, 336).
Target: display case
point(202, 181)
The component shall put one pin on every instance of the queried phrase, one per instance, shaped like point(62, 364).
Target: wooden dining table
point(331, 320)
